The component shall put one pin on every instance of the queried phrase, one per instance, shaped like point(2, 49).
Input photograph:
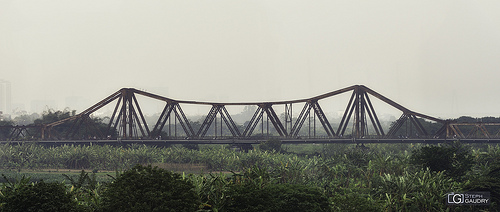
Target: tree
point(26, 119)
point(88, 127)
point(488, 181)
point(408, 129)
point(277, 197)
point(5, 132)
point(22, 196)
point(50, 116)
point(143, 188)
point(455, 159)
point(257, 190)
point(272, 144)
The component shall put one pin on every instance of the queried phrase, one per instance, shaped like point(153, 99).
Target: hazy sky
point(440, 58)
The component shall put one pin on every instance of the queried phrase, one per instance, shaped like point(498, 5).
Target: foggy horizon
point(436, 58)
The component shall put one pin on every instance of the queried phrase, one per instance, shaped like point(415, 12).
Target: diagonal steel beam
point(253, 122)
point(396, 126)
point(301, 119)
point(322, 118)
point(112, 125)
point(418, 125)
point(229, 122)
point(346, 116)
point(456, 131)
point(398, 106)
point(372, 119)
point(275, 120)
point(137, 106)
point(373, 116)
point(212, 114)
point(184, 121)
point(136, 123)
point(485, 131)
point(165, 115)
point(441, 132)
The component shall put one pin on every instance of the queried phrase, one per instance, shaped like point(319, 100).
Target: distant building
point(5, 97)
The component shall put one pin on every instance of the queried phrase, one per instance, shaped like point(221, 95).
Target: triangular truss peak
point(317, 113)
point(211, 120)
point(363, 108)
point(358, 109)
point(127, 118)
point(312, 120)
point(263, 114)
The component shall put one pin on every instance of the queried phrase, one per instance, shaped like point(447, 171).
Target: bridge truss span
point(294, 120)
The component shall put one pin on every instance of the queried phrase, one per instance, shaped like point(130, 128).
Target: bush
point(455, 159)
point(41, 196)
point(354, 201)
point(273, 144)
point(191, 146)
point(143, 188)
point(489, 182)
point(277, 197)
point(423, 190)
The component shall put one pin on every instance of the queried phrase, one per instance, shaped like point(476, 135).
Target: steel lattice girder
point(129, 120)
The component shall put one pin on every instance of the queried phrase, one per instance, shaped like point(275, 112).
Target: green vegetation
point(455, 160)
point(273, 144)
point(277, 197)
point(143, 188)
point(334, 177)
point(22, 196)
point(5, 132)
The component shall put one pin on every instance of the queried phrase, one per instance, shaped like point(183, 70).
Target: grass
point(189, 168)
point(56, 175)
point(50, 175)
point(303, 149)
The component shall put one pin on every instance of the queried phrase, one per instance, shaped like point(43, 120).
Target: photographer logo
point(468, 198)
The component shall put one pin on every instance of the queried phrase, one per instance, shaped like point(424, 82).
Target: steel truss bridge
point(359, 123)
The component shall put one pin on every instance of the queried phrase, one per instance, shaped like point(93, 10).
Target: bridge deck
point(237, 141)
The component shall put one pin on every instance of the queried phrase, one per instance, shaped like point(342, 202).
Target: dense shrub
point(41, 196)
point(257, 189)
point(423, 190)
point(191, 146)
point(277, 197)
point(143, 188)
point(490, 182)
point(354, 201)
point(270, 145)
point(455, 159)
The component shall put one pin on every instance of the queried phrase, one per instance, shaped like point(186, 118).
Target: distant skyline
point(440, 58)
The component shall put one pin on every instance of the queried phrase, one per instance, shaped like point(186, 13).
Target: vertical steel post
point(267, 124)
point(215, 125)
point(175, 123)
point(262, 123)
point(288, 118)
point(314, 125)
point(309, 125)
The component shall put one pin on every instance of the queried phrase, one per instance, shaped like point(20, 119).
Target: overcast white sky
point(440, 58)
